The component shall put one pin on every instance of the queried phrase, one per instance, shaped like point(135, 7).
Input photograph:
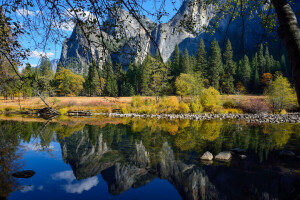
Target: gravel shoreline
point(250, 118)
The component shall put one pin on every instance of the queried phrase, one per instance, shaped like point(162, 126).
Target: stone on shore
point(207, 156)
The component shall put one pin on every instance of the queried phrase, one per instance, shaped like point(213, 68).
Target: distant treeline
point(183, 74)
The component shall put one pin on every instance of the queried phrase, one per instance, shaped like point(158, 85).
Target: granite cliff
point(125, 39)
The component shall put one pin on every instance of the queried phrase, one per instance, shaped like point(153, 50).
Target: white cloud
point(84, 185)
point(25, 12)
point(38, 54)
point(79, 187)
point(27, 188)
point(65, 175)
point(36, 147)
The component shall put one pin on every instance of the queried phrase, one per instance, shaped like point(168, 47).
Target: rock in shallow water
point(24, 174)
point(207, 156)
point(243, 156)
point(287, 153)
point(226, 155)
point(238, 150)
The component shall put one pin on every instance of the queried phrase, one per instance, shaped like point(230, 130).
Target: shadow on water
point(130, 153)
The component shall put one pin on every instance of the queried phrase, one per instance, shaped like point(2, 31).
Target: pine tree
point(215, 64)
point(145, 76)
point(175, 67)
point(254, 73)
point(267, 61)
point(230, 68)
point(45, 68)
point(46, 75)
point(255, 80)
point(93, 80)
point(245, 71)
point(202, 59)
point(59, 67)
point(261, 60)
point(120, 77)
point(111, 87)
point(185, 63)
point(133, 77)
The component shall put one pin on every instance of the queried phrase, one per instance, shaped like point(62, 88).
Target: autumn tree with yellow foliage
point(68, 83)
point(281, 94)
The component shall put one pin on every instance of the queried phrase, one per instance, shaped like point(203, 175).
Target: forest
point(182, 75)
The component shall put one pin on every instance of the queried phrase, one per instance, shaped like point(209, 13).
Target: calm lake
point(114, 158)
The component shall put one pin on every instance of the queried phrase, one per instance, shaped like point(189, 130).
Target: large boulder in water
point(207, 156)
point(24, 174)
point(226, 155)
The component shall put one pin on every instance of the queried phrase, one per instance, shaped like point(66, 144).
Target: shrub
point(210, 99)
point(230, 111)
point(63, 111)
point(183, 108)
point(255, 106)
point(229, 104)
point(124, 109)
point(281, 94)
point(168, 104)
point(137, 101)
point(196, 106)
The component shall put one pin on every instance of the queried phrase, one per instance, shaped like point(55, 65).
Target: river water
point(114, 158)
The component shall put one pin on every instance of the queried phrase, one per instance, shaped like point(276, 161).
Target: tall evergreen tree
point(229, 68)
point(254, 74)
point(46, 75)
point(202, 59)
point(175, 67)
point(93, 79)
point(186, 63)
point(215, 64)
point(120, 77)
point(245, 71)
point(268, 62)
point(111, 87)
point(59, 66)
point(133, 77)
point(261, 62)
point(145, 76)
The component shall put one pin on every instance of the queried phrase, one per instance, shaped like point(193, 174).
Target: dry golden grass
point(96, 104)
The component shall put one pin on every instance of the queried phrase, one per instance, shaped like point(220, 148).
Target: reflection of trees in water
point(133, 159)
point(9, 142)
point(139, 146)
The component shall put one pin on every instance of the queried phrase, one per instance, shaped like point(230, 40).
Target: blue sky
point(53, 50)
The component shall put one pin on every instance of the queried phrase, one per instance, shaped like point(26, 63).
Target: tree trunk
point(289, 33)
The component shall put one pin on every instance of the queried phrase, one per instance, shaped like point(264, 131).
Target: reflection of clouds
point(79, 187)
point(82, 185)
point(65, 175)
point(27, 188)
point(36, 147)
point(41, 187)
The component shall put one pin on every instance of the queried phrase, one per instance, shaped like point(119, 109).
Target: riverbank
point(239, 107)
point(249, 118)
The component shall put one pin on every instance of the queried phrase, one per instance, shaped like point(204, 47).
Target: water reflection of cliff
point(133, 155)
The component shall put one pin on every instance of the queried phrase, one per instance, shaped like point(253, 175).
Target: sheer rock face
point(83, 155)
point(125, 40)
point(77, 52)
point(133, 42)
